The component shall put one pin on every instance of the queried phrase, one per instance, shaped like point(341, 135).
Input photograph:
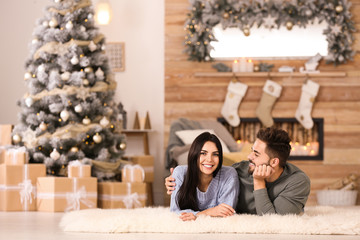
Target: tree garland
point(205, 14)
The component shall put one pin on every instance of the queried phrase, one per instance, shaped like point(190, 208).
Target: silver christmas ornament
point(88, 69)
point(69, 25)
point(29, 101)
point(64, 115)
point(27, 76)
point(74, 60)
point(85, 82)
point(65, 76)
point(16, 138)
point(122, 146)
point(34, 41)
point(92, 46)
point(86, 121)
point(104, 122)
point(53, 23)
point(99, 74)
point(74, 149)
point(78, 108)
point(82, 28)
point(55, 155)
point(45, 23)
point(97, 138)
point(43, 126)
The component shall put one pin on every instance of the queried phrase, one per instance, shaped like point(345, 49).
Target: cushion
point(188, 136)
point(234, 157)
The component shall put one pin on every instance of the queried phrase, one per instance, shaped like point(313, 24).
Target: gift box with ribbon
point(77, 169)
point(132, 173)
point(61, 194)
point(147, 163)
point(5, 134)
point(18, 186)
point(122, 195)
point(16, 156)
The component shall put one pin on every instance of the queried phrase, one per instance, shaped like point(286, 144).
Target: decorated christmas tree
point(69, 112)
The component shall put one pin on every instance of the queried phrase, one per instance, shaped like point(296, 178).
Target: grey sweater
point(288, 194)
point(223, 188)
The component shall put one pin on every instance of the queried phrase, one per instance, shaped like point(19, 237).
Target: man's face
point(258, 156)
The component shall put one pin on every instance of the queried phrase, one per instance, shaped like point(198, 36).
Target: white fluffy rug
point(316, 220)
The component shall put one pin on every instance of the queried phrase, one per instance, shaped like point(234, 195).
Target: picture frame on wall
point(115, 52)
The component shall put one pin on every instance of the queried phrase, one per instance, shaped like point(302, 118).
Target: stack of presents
point(25, 187)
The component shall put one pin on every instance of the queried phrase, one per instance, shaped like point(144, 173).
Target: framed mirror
point(247, 15)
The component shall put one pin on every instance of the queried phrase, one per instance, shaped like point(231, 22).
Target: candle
point(250, 66)
point(242, 65)
point(235, 66)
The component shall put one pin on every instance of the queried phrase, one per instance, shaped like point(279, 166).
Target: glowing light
point(103, 12)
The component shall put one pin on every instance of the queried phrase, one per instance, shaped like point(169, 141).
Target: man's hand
point(260, 174)
point(170, 182)
point(187, 216)
point(221, 210)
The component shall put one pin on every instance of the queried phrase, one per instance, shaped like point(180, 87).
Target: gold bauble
point(122, 146)
point(16, 139)
point(246, 31)
point(289, 25)
point(97, 138)
point(43, 126)
point(339, 9)
point(74, 149)
point(226, 15)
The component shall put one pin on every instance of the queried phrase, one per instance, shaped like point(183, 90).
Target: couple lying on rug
point(265, 184)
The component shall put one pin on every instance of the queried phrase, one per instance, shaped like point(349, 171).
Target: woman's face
point(209, 158)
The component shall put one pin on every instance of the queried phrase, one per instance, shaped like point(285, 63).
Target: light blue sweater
point(224, 188)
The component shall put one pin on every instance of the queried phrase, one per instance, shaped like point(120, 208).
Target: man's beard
point(251, 171)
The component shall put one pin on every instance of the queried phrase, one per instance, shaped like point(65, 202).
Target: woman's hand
point(221, 210)
point(187, 216)
point(170, 182)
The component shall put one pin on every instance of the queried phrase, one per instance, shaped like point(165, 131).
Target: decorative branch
point(205, 14)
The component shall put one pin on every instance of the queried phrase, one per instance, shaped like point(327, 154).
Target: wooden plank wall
point(338, 101)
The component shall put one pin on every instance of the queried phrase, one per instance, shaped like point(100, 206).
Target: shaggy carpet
point(320, 220)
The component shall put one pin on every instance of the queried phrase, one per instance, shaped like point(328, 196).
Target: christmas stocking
point(303, 112)
point(271, 91)
point(229, 110)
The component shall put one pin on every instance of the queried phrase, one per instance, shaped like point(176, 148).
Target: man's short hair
point(277, 143)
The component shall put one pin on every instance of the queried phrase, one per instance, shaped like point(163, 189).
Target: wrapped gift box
point(79, 170)
point(16, 156)
point(132, 173)
point(61, 194)
point(2, 154)
point(122, 195)
point(18, 186)
point(5, 134)
point(147, 163)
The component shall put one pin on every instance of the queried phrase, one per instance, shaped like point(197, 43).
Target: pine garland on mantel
point(205, 14)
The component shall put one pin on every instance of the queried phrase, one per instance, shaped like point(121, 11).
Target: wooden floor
point(41, 226)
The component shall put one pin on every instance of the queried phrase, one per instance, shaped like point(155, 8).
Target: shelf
point(142, 133)
point(269, 74)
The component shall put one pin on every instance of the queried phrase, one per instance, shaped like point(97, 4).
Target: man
point(268, 183)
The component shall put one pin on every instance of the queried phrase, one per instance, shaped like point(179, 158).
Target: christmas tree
point(69, 112)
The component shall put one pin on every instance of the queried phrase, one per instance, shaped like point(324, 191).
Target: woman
point(204, 187)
